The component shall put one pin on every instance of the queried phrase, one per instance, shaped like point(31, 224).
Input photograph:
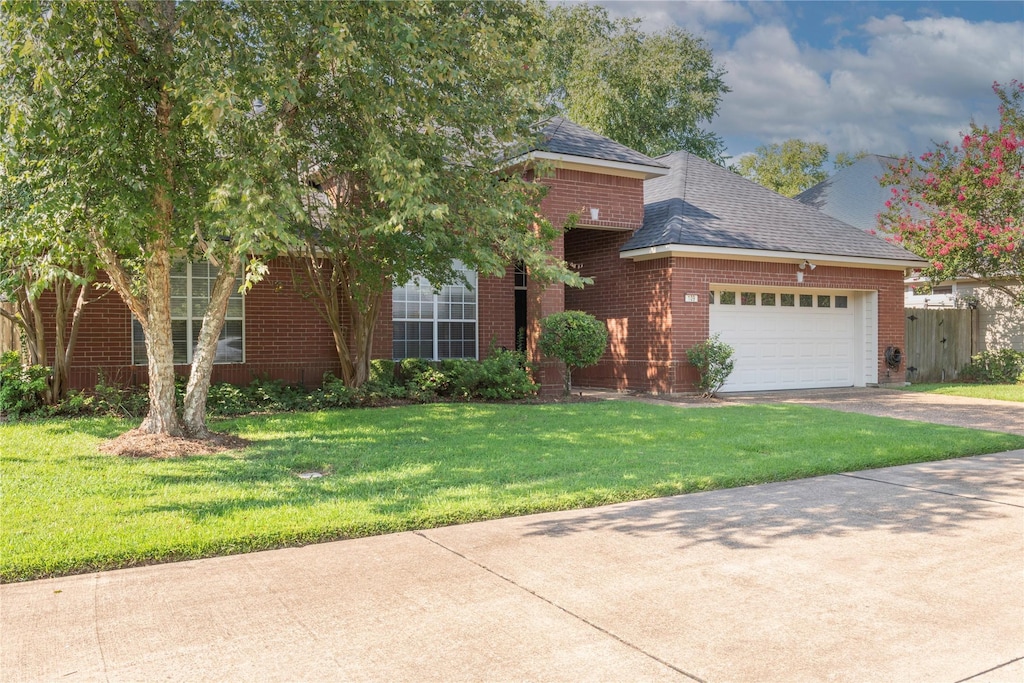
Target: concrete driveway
point(910, 573)
point(959, 411)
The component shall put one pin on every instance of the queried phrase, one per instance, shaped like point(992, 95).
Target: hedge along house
point(678, 249)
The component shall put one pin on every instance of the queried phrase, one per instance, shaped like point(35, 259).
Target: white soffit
point(796, 257)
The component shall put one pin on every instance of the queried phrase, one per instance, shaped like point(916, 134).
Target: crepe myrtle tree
point(576, 338)
point(164, 126)
point(40, 254)
point(959, 205)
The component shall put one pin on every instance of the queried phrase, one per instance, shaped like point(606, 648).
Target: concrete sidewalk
point(911, 573)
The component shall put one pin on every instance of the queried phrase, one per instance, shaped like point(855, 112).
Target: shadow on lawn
point(836, 505)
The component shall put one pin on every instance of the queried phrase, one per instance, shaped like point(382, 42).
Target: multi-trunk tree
point(369, 137)
point(161, 126)
point(961, 206)
point(40, 254)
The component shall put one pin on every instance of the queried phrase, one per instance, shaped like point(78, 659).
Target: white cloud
point(912, 82)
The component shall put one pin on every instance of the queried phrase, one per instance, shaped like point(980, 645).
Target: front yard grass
point(999, 392)
point(67, 508)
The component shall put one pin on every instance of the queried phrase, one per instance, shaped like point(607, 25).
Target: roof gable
point(562, 136)
point(702, 204)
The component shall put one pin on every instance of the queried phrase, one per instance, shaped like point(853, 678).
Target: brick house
point(678, 249)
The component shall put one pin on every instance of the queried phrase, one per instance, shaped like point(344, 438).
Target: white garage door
point(786, 340)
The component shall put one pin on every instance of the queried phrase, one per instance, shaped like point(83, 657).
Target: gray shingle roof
point(853, 194)
point(703, 204)
point(562, 136)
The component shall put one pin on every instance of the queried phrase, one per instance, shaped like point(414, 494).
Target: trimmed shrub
point(713, 359)
point(576, 338)
point(1004, 366)
point(21, 387)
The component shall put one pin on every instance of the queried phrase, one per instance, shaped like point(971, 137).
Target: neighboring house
point(855, 195)
point(678, 249)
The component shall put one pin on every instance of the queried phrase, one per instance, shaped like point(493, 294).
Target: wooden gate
point(939, 342)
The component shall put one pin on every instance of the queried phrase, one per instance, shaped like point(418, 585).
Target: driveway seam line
point(919, 488)
point(994, 668)
point(559, 607)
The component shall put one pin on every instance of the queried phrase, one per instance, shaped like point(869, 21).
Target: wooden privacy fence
point(939, 342)
point(10, 335)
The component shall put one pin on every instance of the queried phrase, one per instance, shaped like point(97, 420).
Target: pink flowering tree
point(961, 206)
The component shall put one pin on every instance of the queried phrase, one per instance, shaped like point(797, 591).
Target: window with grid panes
point(191, 286)
point(435, 324)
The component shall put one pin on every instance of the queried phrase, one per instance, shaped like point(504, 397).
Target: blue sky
point(885, 77)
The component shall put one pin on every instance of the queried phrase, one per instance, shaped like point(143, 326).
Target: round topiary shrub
point(576, 338)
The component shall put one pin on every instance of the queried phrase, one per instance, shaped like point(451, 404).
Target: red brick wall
point(285, 338)
point(634, 300)
point(496, 312)
point(620, 200)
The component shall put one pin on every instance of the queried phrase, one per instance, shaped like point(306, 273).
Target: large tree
point(961, 206)
point(652, 91)
point(788, 168)
point(162, 125)
point(408, 180)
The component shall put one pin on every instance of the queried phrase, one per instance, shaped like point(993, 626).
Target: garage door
point(786, 340)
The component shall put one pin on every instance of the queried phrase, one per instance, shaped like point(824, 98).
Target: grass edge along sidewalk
point(68, 509)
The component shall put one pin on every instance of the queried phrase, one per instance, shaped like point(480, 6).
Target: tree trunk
point(198, 390)
point(162, 417)
point(363, 322)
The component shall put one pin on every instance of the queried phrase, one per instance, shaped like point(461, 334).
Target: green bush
point(382, 372)
point(576, 338)
point(713, 359)
point(131, 402)
point(21, 387)
point(1004, 366)
point(505, 376)
point(333, 393)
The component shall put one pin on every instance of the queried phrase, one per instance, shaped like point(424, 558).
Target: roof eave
point(581, 163)
point(736, 254)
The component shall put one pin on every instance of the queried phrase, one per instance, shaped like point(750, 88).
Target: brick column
point(541, 301)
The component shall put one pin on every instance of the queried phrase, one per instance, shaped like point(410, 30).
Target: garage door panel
point(781, 347)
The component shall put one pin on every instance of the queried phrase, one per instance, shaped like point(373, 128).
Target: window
point(191, 286)
point(435, 325)
point(728, 298)
point(767, 299)
point(519, 276)
point(787, 299)
point(711, 297)
point(748, 299)
point(806, 301)
point(824, 301)
point(840, 301)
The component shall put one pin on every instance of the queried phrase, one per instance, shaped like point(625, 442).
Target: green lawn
point(66, 508)
point(1000, 392)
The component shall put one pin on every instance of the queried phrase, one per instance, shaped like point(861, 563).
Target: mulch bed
point(135, 444)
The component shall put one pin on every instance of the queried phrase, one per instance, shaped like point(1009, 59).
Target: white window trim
point(188, 319)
